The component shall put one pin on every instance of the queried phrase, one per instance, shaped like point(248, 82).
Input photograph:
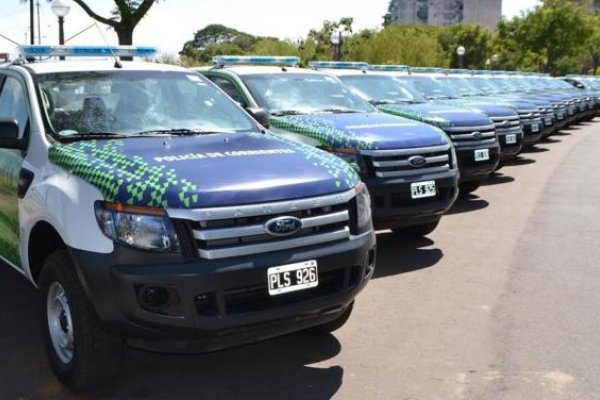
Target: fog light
point(154, 297)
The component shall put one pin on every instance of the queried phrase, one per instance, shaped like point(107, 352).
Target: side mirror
point(260, 115)
point(9, 135)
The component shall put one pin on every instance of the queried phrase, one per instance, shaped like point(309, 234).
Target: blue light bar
point(338, 65)
point(457, 71)
point(426, 70)
point(382, 67)
point(289, 61)
point(86, 51)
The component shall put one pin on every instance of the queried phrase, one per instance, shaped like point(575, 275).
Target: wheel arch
point(44, 240)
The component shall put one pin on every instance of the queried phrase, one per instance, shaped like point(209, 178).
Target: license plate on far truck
point(293, 277)
point(421, 190)
point(511, 139)
point(482, 155)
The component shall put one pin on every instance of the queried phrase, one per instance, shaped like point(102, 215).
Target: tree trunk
point(125, 35)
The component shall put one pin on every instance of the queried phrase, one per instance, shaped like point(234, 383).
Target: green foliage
point(550, 38)
point(476, 39)
point(395, 44)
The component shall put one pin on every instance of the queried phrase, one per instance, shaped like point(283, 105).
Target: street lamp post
point(61, 8)
point(460, 52)
point(336, 41)
point(495, 60)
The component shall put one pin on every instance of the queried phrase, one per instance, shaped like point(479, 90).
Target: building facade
point(445, 12)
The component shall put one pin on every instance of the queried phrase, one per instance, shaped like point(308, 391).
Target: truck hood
point(516, 103)
point(489, 109)
point(204, 171)
point(362, 131)
point(439, 115)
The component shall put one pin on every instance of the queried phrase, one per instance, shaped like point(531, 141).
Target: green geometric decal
point(123, 179)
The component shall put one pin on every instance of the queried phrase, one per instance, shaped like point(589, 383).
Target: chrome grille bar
point(254, 230)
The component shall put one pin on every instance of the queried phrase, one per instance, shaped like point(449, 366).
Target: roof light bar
point(289, 61)
point(338, 65)
point(382, 67)
point(86, 51)
point(426, 70)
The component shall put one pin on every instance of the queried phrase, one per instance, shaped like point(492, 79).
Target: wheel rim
point(60, 322)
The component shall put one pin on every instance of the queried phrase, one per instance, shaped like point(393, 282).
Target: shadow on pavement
point(519, 160)
point(274, 369)
point(535, 149)
point(562, 132)
point(397, 255)
point(550, 140)
point(498, 178)
point(468, 203)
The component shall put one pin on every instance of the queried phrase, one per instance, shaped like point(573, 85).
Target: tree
point(126, 17)
point(548, 38)
point(476, 39)
point(395, 44)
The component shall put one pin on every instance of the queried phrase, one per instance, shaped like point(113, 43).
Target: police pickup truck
point(150, 209)
point(409, 167)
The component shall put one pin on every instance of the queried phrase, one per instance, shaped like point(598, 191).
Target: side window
point(229, 88)
point(13, 103)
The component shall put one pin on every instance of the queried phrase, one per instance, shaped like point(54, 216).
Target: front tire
point(82, 355)
point(336, 324)
point(416, 231)
point(469, 187)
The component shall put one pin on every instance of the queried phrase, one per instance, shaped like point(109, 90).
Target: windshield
point(288, 93)
point(134, 102)
point(428, 87)
point(383, 89)
point(461, 86)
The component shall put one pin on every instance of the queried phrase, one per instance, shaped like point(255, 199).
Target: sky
point(170, 23)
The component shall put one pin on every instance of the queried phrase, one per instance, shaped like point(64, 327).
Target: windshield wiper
point(91, 135)
point(283, 113)
point(335, 111)
point(178, 132)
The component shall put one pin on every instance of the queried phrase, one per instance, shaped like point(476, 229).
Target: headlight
point(349, 155)
point(363, 208)
point(140, 227)
point(453, 158)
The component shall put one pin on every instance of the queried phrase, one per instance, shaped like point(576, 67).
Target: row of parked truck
point(194, 210)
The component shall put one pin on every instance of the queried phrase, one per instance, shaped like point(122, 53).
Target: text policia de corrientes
point(240, 153)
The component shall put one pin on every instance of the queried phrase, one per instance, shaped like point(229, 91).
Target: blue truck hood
point(362, 131)
point(440, 115)
point(204, 171)
point(489, 109)
point(517, 103)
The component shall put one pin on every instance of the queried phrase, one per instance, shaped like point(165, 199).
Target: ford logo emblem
point(417, 161)
point(477, 135)
point(283, 226)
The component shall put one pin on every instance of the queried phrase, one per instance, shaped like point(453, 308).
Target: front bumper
point(394, 207)
point(471, 170)
point(533, 131)
point(511, 150)
point(217, 304)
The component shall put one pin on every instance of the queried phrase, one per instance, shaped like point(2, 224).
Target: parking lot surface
point(501, 302)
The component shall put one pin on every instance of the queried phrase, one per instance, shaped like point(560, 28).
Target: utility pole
point(39, 27)
point(31, 22)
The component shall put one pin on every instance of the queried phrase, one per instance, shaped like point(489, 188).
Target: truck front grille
point(473, 136)
point(239, 231)
point(397, 163)
point(508, 125)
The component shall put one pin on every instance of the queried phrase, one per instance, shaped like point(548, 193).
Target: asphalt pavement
point(501, 302)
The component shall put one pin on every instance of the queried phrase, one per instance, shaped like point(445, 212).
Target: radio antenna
point(118, 63)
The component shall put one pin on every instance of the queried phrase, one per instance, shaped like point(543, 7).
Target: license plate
point(535, 128)
point(561, 116)
point(293, 277)
point(549, 121)
point(421, 190)
point(482, 155)
point(511, 139)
